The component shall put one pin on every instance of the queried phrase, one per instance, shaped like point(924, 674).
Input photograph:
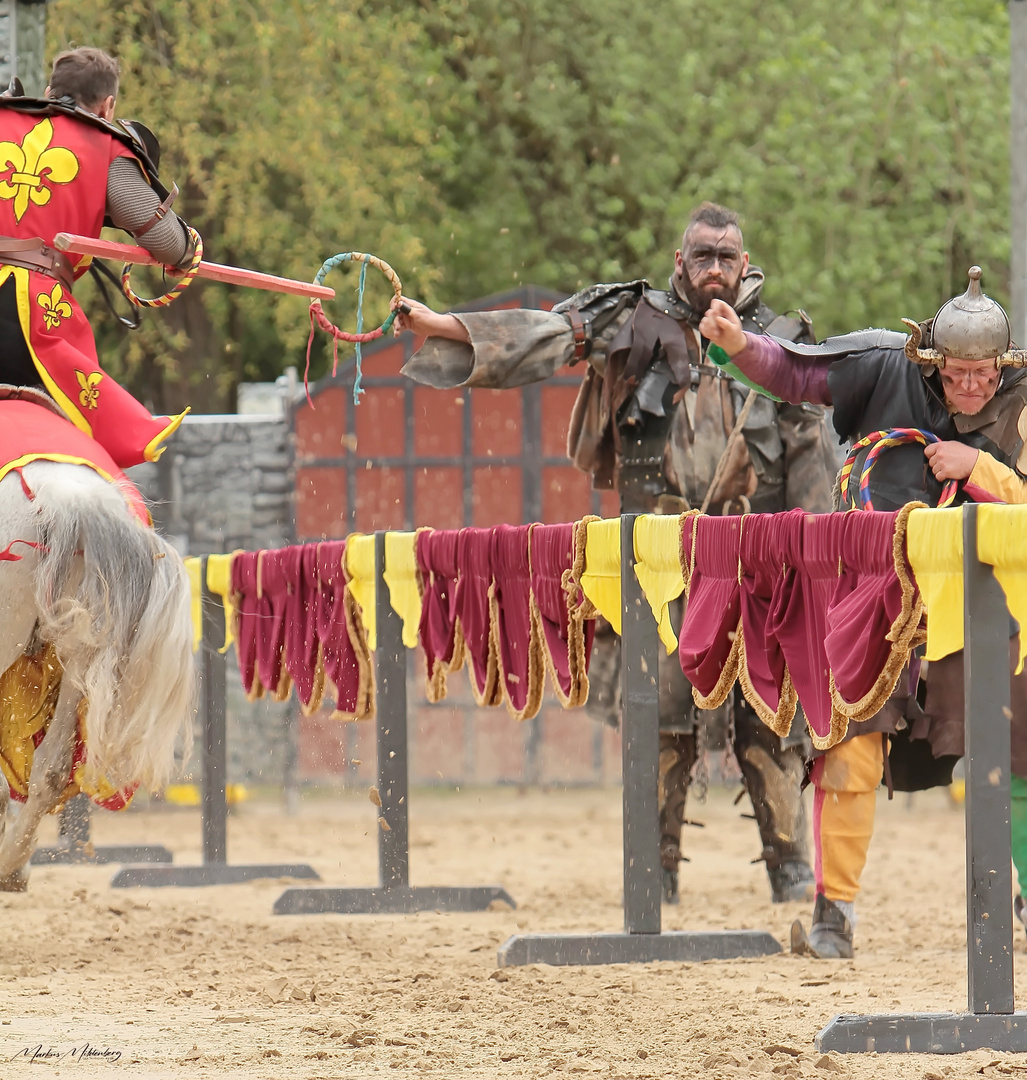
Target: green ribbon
point(716, 355)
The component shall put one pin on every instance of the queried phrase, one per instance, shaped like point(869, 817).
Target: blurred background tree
point(477, 145)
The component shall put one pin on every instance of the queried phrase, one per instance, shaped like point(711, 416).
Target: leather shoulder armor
point(599, 298)
point(844, 344)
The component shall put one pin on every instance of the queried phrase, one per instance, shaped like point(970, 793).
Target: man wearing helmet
point(957, 376)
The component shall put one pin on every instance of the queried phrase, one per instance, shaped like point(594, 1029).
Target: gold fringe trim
point(583, 608)
point(903, 632)
point(839, 729)
point(318, 691)
point(536, 661)
point(491, 694)
point(718, 695)
point(779, 720)
point(689, 566)
point(365, 703)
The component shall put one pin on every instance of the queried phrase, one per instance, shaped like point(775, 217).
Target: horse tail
point(114, 599)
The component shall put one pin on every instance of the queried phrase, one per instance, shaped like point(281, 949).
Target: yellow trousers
point(845, 780)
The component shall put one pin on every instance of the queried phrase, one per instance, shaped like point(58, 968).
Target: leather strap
point(159, 214)
point(582, 335)
point(33, 254)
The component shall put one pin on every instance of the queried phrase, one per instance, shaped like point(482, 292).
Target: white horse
point(112, 597)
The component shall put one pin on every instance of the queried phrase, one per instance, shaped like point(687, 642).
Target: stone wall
point(224, 482)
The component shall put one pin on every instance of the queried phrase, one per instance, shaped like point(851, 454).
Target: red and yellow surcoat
point(53, 178)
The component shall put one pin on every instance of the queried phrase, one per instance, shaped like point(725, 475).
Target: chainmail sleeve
point(131, 202)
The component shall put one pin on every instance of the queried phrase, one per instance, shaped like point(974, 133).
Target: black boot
point(773, 778)
point(677, 756)
point(830, 936)
point(670, 886)
point(791, 881)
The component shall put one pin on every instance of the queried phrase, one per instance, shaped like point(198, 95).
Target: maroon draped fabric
point(472, 608)
point(301, 644)
point(708, 644)
point(874, 613)
point(516, 634)
point(436, 554)
point(763, 673)
point(567, 642)
point(798, 617)
point(272, 604)
point(345, 661)
point(247, 619)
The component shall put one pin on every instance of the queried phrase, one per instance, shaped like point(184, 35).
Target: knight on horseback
point(73, 168)
point(95, 631)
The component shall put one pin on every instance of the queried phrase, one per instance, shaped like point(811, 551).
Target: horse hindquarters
point(114, 598)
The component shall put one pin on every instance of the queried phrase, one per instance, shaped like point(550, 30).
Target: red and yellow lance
point(230, 275)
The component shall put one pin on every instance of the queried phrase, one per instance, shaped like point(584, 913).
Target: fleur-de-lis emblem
point(34, 164)
point(89, 395)
point(55, 307)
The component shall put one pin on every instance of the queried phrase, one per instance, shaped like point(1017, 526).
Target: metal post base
point(188, 877)
point(396, 900)
point(674, 945)
point(76, 854)
point(925, 1033)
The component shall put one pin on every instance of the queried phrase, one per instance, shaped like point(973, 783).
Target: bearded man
point(655, 421)
point(968, 387)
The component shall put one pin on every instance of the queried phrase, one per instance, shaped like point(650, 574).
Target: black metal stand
point(642, 940)
point(991, 1022)
point(394, 894)
point(214, 810)
point(75, 849)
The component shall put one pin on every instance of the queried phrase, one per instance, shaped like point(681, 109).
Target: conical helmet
point(967, 327)
point(971, 326)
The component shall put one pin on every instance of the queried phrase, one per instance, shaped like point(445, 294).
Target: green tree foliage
point(295, 131)
point(865, 144)
point(479, 144)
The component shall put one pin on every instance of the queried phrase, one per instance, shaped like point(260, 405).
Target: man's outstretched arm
point(497, 349)
point(764, 361)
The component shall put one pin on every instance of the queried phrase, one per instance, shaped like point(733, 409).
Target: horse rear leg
point(51, 769)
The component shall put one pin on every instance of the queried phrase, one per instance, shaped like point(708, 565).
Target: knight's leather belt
point(34, 254)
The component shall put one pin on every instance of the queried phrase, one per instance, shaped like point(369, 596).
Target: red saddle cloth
point(809, 545)
point(874, 613)
point(473, 613)
point(436, 554)
point(246, 606)
point(274, 585)
point(345, 658)
point(517, 636)
point(33, 432)
point(762, 669)
point(566, 640)
point(709, 643)
point(301, 644)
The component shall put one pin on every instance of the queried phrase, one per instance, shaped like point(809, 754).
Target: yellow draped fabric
point(401, 578)
point(360, 571)
point(219, 581)
point(934, 544)
point(600, 579)
point(1000, 542)
point(192, 568)
point(658, 568)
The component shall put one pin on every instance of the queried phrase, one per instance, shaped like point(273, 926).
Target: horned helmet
point(967, 327)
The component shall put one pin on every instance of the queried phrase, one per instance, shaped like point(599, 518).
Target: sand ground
point(204, 982)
